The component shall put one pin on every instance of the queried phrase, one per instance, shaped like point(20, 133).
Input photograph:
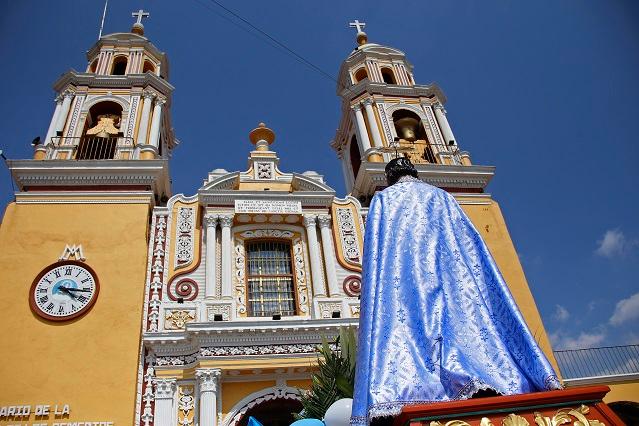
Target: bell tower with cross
point(386, 113)
point(83, 206)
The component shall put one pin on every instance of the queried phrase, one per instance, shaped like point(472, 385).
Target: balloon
point(308, 422)
point(339, 413)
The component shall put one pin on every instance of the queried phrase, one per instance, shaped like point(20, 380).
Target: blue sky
point(546, 91)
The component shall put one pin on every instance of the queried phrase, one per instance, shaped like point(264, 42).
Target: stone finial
point(262, 137)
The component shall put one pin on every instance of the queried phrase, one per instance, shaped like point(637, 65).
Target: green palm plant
point(334, 378)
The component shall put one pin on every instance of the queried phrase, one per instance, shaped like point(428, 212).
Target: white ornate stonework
point(264, 170)
point(240, 282)
point(184, 241)
point(348, 236)
point(223, 309)
point(164, 388)
point(262, 233)
point(147, 391)
point(208, 378)
point(326, 309)
point(300, 275)
point(132, 114)
point(157, 273)
point(79, 100)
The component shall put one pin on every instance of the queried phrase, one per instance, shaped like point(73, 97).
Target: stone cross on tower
point(359, 25)
point(140, 14)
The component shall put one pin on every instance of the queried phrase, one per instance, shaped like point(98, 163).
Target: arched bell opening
point(360, 75)
point(94, 66)
point(356, 157)
point(119, 65)
point(273, 412)
point(148, 67)
point(411, 133)
point(388, 76)
point(628, 411)
point(101, 131)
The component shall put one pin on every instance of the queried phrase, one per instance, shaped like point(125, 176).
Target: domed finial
point(138, 28)
point(362, 38)
point(261, 137)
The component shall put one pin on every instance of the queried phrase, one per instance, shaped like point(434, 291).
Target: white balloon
point(339, 413)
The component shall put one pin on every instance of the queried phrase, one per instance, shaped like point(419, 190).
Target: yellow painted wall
point(89, 363)
point(490, 223)
point(623, 392)
point(234, 392)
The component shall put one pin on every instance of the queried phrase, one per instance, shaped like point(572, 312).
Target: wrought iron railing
point(91, 147)
point(599, 362)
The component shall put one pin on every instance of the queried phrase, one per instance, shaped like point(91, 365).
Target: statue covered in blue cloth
point(437, 321)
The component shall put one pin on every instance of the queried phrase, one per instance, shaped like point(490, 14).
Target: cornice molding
point(371, 88)
point(242, 338)
point(371, 176)
point(48, 173)
point(75, 78)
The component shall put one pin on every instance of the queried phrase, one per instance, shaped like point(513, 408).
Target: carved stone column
point(440, 113)
point(313, 248)
point(144, 120)
point(164, 397)
point(211, 224)
point(362, 133)
point(226, 221)
point(208, 381)
point(372, 122)
point(64, 110)
point(329, 254)
point(154, 136)
point(54, 120)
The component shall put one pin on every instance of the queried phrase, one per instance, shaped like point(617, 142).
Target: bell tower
point(74, 241)
point(117, 110)
point(386, 113)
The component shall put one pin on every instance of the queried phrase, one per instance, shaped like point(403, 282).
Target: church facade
point(135, 306)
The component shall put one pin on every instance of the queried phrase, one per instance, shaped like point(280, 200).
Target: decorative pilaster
point(164, 399)
point(329, 254)
point(226, 221)
point(144, 120)
point(362, 134)
point(440, 113)
point(211, 224)
point(208, 381)
point(154, 136)
point(67, 96)
point(313, 248)
point(372, 122)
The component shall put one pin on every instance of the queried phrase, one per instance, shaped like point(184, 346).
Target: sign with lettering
point(58, 413)
point(268, 206)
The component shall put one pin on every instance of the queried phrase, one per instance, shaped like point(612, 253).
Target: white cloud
point(561, 313)
point(561, 341)
point(626, 310)
point(613, 243)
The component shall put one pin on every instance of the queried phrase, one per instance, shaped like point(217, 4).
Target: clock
point(64, 290)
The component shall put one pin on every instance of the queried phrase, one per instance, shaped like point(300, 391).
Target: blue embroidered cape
point(437, 321)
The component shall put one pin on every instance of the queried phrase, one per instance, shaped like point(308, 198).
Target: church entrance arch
point(271, 406)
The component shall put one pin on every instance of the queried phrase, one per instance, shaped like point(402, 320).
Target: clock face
point(64, 290)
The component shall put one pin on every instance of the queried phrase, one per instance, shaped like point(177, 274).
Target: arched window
point(389, 76)
point(271, 287)
point(360, 75)
point(101, 132)
point(119, 65)
point(148, 67)
point(94, 66)
point(356, 157)
point(410, 130)
point(275, 412)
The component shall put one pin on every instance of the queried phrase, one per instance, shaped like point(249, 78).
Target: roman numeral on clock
point(50, 307)
point(61, 309)
point(44, 299)
point(82, 299)
point(67, 271)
